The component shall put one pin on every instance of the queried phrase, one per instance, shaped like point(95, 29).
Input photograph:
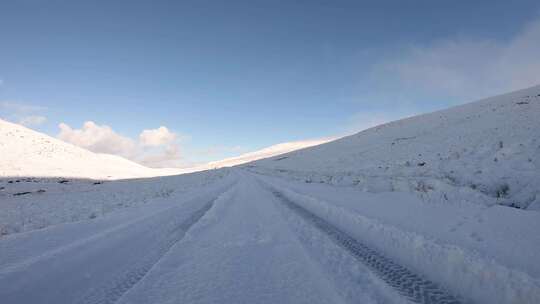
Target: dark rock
point(21, 193)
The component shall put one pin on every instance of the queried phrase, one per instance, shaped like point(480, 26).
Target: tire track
point(117, 287)
point(412, 286)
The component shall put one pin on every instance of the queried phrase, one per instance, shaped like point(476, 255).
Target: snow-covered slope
point(430, 227)
point(25, 152)
point(266, 152)
point(485, 152)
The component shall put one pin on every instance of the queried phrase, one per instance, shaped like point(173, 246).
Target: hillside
point(484, 152)
point(29, 153)
point(413, 210)
point(273, 150)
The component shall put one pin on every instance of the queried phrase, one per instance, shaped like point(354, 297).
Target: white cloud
point(157, 137)
point(467, 68)
point(100, 139)
point(168, 156)
point(161, 148)
point(32, 120)
point(155, 147)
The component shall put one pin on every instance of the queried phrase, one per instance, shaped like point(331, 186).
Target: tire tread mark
point(410, 285)
point(121, 284)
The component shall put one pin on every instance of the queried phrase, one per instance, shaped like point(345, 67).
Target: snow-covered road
point(241, 241)
point(95, 261)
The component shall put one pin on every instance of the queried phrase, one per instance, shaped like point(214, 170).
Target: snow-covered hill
point(421, 219)
point(25, 152)
point(484, 152)
point(273, 150)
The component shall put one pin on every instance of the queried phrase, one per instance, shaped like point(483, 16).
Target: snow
point(487, 254)
point(273, 150)
point(52, 201)
point(27, 153)
point(449, 199)
point(486, 152)
point(257, 251)
point(247, 247)
point(94, 260)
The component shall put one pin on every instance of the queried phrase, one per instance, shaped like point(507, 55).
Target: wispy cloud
point(22, 113)
point(425, 77)
point(465, 68)
point(21, 107)
point(32, 120)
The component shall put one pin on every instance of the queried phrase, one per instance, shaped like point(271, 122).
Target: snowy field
point(236, 239)
point(438, 208)
point(34, 203)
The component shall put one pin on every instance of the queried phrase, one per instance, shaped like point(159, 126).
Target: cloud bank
point(155, 148)
point(466, 68)
point(454, 70)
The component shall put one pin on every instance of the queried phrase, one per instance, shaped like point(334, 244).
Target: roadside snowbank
point(484, 275)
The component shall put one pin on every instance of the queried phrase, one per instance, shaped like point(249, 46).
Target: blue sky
point(232, 76)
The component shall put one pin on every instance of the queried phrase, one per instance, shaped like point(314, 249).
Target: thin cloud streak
point(32, 120)
point(22, 113)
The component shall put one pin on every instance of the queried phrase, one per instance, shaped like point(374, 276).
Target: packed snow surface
point(438, 208)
